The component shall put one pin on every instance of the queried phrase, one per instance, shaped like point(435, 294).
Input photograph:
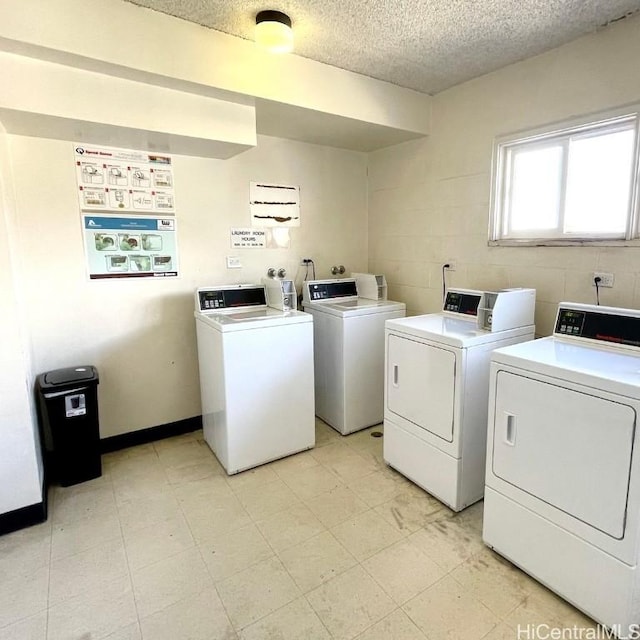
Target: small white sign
point(248, 238)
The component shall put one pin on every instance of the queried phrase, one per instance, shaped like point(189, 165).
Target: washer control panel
point(218, 299)
point(601, 324)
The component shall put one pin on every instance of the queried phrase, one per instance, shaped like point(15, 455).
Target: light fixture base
point(273, 31)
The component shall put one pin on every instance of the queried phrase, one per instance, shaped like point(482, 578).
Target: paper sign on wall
point(248, 238)
point(274, 205)
point(130, 247)
point(124, 180)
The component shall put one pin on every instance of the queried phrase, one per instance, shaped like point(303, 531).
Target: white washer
point(256, 376)
point(563, 478)
point(348, 352)
point(436, 388)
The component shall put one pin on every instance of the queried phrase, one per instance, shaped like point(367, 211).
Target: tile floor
point(329, 543)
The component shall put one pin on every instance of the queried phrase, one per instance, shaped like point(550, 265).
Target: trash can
point(69, 426)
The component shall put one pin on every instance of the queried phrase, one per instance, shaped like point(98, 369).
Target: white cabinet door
point(420, 384)
point(569, 449)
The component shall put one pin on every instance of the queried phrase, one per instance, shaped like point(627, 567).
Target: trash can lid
point(71, 374)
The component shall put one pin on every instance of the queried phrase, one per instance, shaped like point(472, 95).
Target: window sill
point(547, 242)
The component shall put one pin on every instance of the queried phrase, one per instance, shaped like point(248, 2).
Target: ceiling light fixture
point(273, 31)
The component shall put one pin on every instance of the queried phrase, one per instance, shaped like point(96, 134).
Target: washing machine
point(256, 376)
point(437, 385)
point(562, 499)
point(348, 352)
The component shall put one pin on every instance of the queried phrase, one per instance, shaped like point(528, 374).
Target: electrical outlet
point(606, 279)
point(452, 265)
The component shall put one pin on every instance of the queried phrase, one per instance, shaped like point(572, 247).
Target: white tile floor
point(329, 543)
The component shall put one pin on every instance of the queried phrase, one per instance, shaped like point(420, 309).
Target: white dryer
point(436, 390)
point(256, 376)
point(348, 352)
point(562, 499)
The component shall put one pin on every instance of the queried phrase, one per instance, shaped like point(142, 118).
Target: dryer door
point(570, 449)
point(420, 384)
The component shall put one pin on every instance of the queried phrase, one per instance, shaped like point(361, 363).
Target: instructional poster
point(130, 247)
point(124, 180)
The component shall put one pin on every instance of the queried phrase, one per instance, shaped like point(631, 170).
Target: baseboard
point(24, 517)
point(151, 434)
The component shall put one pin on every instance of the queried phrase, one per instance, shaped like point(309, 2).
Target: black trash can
point(69, 426)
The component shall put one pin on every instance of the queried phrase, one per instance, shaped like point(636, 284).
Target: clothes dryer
point(256, 376)
point(348, 352)
point(436, 390)
point(562, 499)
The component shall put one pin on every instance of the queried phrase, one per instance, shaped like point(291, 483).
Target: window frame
point(502, 167)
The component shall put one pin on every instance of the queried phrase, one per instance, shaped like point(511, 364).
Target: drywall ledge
point(124, 40)
point(79, 105)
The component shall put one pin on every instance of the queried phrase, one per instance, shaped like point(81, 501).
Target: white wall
point(140, 334)
point(20, 462)
point(429, 199)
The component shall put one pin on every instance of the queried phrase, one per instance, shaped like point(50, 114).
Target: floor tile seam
point(235, 573)
point(88, 593)
point(467, 592)
point(324, 582)
point(189, 596)
point(93, 546)
point(67, 598)
point(343, 480)
point(166, 556)
point(58, 523)
point(23, 618)
point(293, 470)
point(252, 489)
point(290, 546)
point(271, 514)
point(502, 617)
point(373, 624)
point(363, 631)
point(305, 497)
point(129, 571)
point(359, 513)
point(199, 459)
point(128, 533)
point(300, 594)
point(381, 585)
point(398, 608)
point(238, 630)
point(315, 536)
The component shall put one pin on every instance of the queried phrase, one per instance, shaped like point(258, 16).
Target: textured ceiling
point(427, 45)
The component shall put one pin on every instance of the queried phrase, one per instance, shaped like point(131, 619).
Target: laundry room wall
point(429, 199)
point(20, 464)
point(140, 333)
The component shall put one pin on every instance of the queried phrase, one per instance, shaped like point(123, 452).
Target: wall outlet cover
point(606, 279)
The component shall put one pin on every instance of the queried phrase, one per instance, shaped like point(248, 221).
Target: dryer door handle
point(510, 431)
point(396, 375)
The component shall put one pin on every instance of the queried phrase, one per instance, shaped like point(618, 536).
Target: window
point(578, 183)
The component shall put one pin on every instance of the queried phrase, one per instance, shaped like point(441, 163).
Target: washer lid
point(613, 370)
point(455, 332)
point(258, 319)
point(357, 307)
